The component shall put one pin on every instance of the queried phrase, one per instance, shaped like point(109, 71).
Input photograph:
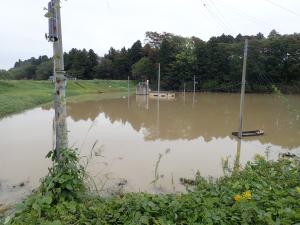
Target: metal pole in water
point(158, 96)
point(243, 89)
point(194, 84)
point(194, 90)
point(128, 92)
point(128, 84)
point(158, 81)
point(184, 93)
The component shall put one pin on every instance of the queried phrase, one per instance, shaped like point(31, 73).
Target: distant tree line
point(216, 63)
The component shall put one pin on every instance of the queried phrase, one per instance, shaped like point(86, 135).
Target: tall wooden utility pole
point(55, 36)
point(243, 89)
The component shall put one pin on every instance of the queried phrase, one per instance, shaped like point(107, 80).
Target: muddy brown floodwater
point(190, 133)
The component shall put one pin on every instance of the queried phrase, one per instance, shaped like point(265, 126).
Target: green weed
point(264, 192)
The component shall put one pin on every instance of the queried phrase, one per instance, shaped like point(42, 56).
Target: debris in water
point(122, 182)
point(287, 155)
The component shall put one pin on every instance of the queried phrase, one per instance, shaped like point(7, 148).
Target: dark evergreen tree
point(216, 63)
point(135, 53)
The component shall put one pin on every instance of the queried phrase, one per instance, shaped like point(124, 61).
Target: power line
point(245, 15)
point(223, 26)
point(283, 8)
point(212, 15)
point(217, 16)
point(220, 13)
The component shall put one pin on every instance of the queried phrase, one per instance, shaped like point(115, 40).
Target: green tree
point(273, 34)
point(103, 70)
point(44, 70)
point(144, 69)
point(77, 64)
point(120, 64)
point(4, 75)
point(135, 53)
point(92, 63)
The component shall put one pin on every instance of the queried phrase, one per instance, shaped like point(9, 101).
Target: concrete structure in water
point(162, 95)
point(142, 88)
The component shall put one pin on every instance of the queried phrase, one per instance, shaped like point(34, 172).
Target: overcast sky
point(100, 24)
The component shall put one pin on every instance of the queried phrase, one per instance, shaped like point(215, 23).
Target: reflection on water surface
point(191, 133)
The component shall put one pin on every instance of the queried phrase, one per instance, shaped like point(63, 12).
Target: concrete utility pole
point(194, 90)
point(243, 89)
point(55, 36)
point(236, 166)
point(184, 93)
point(128, 103)
point(158, 81)
point(194, 84)
point(158, 97)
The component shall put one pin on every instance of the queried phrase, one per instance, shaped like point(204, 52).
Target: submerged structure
point(162, 95)
point(142, 88)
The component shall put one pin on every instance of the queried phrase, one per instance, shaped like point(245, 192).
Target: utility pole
point(236, 165)
point(128, 103)
point(243, 89)
point(194, 84)
point(158, 97)
point(60, 80)
point(194, 90)
point(128, 84)
point(158, 81)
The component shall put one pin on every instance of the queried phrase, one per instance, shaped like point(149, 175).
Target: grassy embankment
point(264, 192)
point(16, 96)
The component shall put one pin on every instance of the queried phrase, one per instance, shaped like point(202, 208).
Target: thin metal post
point(194, 90)
point(158, 81)
point(158, 97)
point(147, 87)
point(60, 86)
point(243, 89)
point(194, 84)
point(128, 84)
point(128, 101)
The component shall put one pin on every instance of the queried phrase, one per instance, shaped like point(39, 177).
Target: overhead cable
point(283, 8)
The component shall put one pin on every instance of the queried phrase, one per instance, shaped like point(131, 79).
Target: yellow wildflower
point(247, 195)
point(237, 198)
point(258, 157)
point(298, 189)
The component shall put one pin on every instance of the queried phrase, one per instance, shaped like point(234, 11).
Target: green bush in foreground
point(264, 192)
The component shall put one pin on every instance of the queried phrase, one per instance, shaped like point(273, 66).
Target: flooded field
point(134, 141)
